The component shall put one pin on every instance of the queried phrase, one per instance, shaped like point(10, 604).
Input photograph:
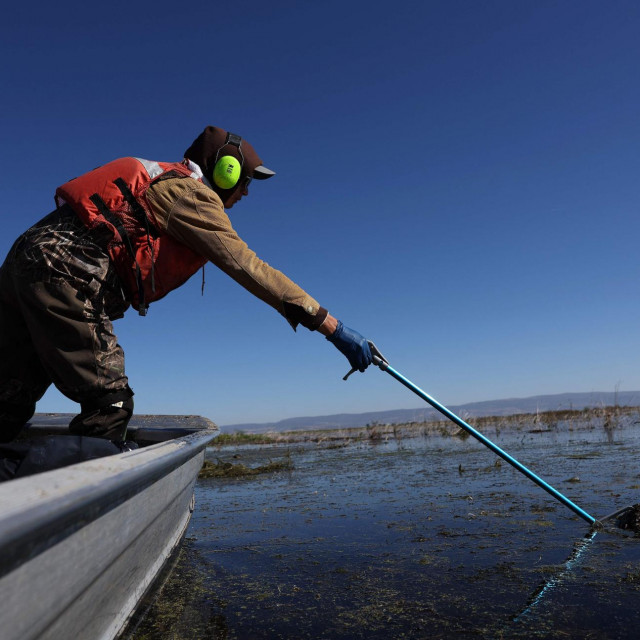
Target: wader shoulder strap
point(117, 223)
point(136, 208)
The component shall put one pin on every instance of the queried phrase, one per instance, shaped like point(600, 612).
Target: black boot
point(106, 417)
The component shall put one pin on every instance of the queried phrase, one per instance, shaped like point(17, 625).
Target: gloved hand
point(352, 345)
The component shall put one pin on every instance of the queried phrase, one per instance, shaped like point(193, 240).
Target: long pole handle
point(380, 362)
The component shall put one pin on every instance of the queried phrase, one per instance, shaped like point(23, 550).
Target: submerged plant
point(222, 469)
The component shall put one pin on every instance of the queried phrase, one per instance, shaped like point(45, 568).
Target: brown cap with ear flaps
point(209, 143)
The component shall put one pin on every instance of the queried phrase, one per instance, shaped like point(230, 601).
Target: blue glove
point(352, 345)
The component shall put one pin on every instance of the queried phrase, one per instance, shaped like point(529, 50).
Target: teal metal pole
point(385, 366)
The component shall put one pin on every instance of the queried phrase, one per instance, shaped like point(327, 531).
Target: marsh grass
point(607, 418)
point(221, 469)
point(240, 437)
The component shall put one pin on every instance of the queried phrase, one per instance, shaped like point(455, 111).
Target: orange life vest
point(150, 263)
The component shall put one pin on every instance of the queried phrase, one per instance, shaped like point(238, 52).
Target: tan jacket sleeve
point(193, 214)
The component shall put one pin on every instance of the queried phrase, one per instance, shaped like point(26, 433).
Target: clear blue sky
point(457, 180)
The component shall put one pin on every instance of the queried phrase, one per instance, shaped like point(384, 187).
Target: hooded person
point(127, 234)
point(217, 153)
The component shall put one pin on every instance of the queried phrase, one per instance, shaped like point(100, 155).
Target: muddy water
point(419, 538)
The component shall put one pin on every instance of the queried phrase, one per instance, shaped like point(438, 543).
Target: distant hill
point(506, 407)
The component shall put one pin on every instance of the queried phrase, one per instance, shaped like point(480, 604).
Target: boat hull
point(80, 546)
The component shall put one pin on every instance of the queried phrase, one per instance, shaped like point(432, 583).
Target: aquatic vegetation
point(222, 469)
point(240, 437)
point(584, 456)
point(632, 577)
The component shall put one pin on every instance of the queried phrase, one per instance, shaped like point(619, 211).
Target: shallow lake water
point(429, 537)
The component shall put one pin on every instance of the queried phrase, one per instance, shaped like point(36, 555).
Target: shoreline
point(607, 418)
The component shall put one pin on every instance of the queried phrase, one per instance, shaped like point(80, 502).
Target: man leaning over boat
point(126, 234)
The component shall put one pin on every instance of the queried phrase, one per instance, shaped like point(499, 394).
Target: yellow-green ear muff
point(226, 173)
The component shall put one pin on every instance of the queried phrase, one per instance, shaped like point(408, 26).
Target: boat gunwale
point(26, 533)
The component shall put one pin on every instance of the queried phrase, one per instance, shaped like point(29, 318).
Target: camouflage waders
point(58, 296)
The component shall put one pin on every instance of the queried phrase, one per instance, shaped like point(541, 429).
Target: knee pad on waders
point(106, 416)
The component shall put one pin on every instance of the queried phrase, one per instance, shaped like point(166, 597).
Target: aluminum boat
point(81, 546)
